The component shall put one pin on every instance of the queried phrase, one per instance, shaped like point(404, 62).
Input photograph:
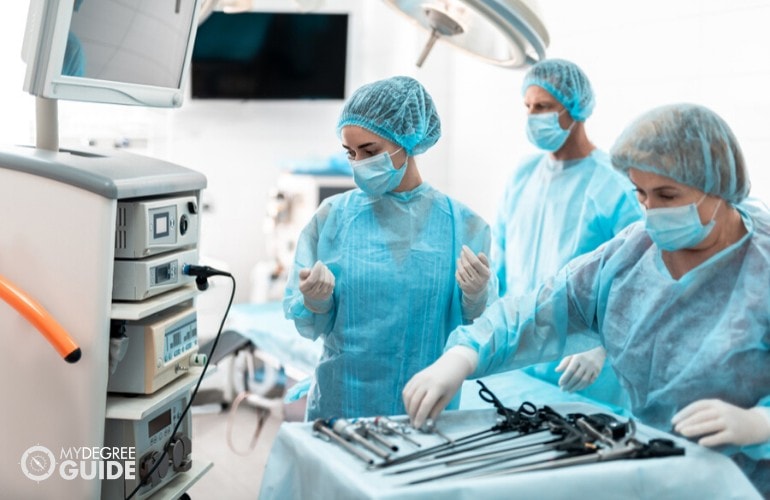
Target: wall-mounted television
point(270, 55)
point(110, 51)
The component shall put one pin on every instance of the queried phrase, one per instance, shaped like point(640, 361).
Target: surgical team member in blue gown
point(559, 204)
point(680, 301)
point(383, 273)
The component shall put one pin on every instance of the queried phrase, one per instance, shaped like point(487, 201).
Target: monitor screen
point(114, 51)
point(270, 55)
point(141, 42)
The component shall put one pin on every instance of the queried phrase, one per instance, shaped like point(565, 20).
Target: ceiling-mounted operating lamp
point(507, 33)
point(442, 24)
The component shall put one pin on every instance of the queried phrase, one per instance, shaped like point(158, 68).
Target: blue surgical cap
point(566, 82)
point(398, 109)
point(688, 143)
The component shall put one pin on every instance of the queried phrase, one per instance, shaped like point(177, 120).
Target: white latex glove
point(472, 272)
point(118, 348)
point(580, 370)
point(431, 389)
point(472, 275)
point(317, 285)
point(722, 423)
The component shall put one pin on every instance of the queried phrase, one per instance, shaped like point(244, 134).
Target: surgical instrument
point(320, 427)
point(464, 443)
point(616, 450)
point(556, 424)
point(573, 441)
point(525, 420)
point(388, 426)
point(347, 430)
point(368, 430)
point(518, 451)
point(430, 428)
point(583, 444)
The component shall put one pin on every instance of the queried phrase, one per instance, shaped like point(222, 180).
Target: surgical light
point(507, 33)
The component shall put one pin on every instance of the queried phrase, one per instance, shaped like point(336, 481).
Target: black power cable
point(201, 273)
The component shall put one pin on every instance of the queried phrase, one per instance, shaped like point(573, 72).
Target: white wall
point(243, 146)
point(637, 55)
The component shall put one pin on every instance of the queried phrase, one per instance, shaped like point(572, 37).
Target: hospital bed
point(275, 337)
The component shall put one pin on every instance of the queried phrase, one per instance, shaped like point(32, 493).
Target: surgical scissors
point(523, 419)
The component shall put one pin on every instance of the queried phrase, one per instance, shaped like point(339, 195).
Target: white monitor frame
point(45, 40)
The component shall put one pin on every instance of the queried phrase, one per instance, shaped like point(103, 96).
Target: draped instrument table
point(302, 466)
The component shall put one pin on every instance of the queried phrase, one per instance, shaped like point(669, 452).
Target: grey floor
point(225, 437)
point(236, 474)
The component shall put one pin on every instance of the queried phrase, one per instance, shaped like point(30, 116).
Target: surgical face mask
point(377, 175)
point(544, 131)
point(677, 228)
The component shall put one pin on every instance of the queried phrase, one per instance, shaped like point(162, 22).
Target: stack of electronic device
point(155, 239)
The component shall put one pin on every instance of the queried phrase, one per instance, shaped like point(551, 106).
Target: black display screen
point(162, 273)
point(159, 423)
point(270, 55)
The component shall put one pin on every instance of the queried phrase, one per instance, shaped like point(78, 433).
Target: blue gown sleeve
point(557, 318)
point(309, 324)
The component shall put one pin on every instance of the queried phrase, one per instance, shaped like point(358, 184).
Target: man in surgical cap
point(558, 204)
point(680, 301)
point(384, 272)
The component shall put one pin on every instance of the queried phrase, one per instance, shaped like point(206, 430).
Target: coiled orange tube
point(40, 319)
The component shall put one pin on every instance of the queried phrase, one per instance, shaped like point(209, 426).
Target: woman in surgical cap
point(680, 301)
point(384, 272)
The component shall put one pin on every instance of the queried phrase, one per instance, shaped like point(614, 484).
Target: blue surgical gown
point(74, 58)
point(671, 342)
point(551, 212)
point(395, 296)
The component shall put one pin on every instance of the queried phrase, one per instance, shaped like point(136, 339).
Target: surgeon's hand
point(431, 389)
point(472, 273)
point(317, 285)
point(720, 423)
point(580, 370)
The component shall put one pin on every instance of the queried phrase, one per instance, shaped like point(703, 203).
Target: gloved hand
point(118, 348)
point(580, 370)
point(317, 285)
point(472, 275)
point(722, 423)
point(431, 389)
point(472, 272)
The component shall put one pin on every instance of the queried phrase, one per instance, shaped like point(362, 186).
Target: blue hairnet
point(398, 109)
point(688, 143)
point(566, 82)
